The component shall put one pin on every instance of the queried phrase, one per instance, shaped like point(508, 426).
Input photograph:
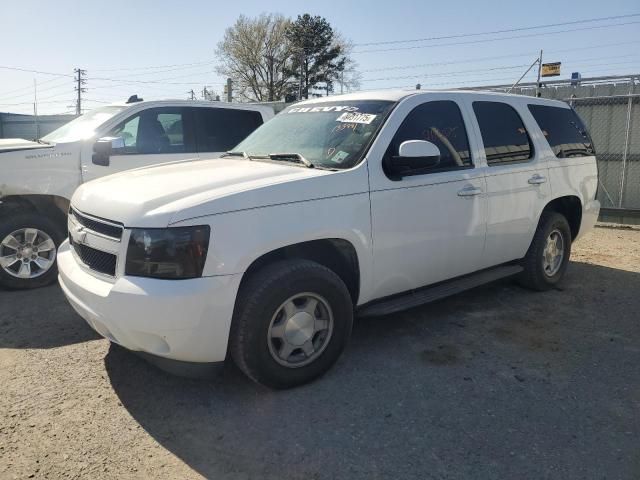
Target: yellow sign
point(551, 69)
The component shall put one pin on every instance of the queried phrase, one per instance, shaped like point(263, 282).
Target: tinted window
point(439, 122)
point(504, 135)
point(221, 129)
point(157, 130)
point(563, 129)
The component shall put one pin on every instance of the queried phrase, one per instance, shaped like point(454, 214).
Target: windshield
point(83, 126)
point(329, 134)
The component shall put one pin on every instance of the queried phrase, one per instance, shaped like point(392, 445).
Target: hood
point(165, 194)
point(14, 144)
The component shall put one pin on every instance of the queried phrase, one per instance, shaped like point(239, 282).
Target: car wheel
point(292, 320)
point(28, 246)
point(548, 256)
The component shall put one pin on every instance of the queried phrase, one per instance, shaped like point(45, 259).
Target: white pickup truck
point(366, 203)
point(38, 178)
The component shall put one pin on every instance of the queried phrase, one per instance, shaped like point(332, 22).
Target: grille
point(97, 260)
point(113, 231)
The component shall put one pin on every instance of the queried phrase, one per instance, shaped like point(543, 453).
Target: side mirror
point(103, 147)
point(413, 156)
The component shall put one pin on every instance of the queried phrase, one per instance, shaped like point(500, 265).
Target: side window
point(128, 131)
point(563, 129)
point(172, 126)
point(157, 130)
point(504, 135)
point(221, 129)
point(441, 123)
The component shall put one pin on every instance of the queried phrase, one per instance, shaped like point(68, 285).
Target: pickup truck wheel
point(548, 256)
point(28, 246)
point(292, 321)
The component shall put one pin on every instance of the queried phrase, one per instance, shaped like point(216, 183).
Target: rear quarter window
point(564, 130)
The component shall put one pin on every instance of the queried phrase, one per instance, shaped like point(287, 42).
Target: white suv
point(39, 177)
point(367, 203)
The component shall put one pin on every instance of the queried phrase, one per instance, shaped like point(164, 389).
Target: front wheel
point(291, 323)
point(548, 256)
point(28, 245)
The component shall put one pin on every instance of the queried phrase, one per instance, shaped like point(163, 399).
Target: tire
point(40, 276)
point(263, 301)
point(535, 276)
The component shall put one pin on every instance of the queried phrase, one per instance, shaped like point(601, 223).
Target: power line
point(152, 67)
point(459, 72)
point(509, 30)
point(36, 71)
point(161, 81)
point(497, 57)
point(445, 74)
point(496, 39)
point(30, 89)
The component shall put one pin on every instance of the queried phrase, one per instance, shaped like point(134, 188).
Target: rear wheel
point(28, 246)
point(291, 323)
point(548, 256)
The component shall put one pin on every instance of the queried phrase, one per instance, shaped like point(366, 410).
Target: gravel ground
point(498, 382)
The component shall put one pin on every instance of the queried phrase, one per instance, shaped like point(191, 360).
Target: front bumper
point(184, 320)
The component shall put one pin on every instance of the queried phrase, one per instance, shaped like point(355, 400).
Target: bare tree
point(255, 53)
point(349, 78)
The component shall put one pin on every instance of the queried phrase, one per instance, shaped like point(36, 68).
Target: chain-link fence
point(614, 123)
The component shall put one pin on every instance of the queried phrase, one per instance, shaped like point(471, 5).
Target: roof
point(193, 103)
point(397, 95)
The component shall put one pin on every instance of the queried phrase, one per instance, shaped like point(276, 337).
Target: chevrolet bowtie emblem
point(81, 235)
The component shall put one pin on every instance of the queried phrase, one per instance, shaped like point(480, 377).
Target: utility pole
point(35, 108)
point(539, 70)
point(301, 74)
point(80, 80)
point(229, 90)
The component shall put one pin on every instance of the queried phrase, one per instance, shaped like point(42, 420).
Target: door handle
point(469, 191)
point(537, 179)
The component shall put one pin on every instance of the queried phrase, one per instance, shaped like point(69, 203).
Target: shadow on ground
point(40, 318)
point(498, 382)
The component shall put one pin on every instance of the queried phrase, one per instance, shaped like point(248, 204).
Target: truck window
point(562, 127)
point(441, 123)
point(154, 131)
point(504, 135)
point(221, 129)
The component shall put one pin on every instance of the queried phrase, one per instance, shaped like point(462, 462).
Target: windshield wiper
point(235, 154)
point(42, 142)
point(291, 156)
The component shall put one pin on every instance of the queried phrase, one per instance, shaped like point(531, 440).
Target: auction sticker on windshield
point(365, 118)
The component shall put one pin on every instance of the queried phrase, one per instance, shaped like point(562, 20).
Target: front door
point(153, 136)
point(428, 226)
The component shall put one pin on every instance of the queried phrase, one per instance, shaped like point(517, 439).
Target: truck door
point(517, 179)
point(429, 225)
point(153, 136)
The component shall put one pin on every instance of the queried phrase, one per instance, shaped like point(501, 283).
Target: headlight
point(175, 253)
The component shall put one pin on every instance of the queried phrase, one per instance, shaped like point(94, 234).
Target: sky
point(162, 49)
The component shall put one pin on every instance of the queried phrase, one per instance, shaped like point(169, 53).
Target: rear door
point(152, 136)
point(517, 178)
point(219, 129)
